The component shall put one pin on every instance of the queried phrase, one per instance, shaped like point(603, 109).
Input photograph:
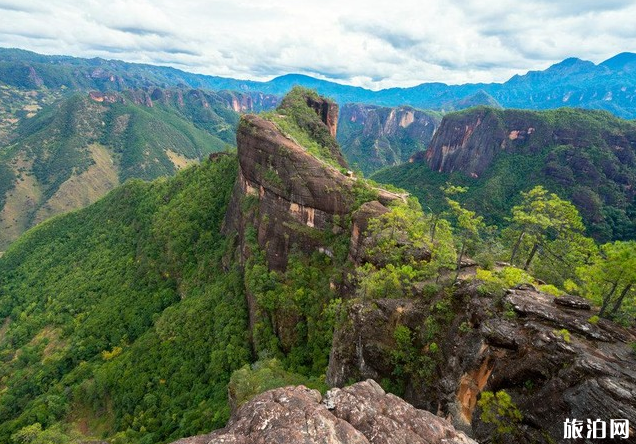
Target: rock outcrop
point(548, 353)
point(360, 414)
point(327, 111)
point(293, 192)
point(285, 198)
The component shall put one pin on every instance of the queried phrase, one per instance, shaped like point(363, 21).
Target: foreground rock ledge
point(360, 414)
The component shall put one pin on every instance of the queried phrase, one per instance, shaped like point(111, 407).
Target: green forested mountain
point(588, 157)
point(120, 316)
point(72, 152)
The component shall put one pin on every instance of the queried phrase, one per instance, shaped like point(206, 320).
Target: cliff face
point(374, 137)
point(586, 157)
point(469, 141)
point(287, 200)
point(546, 354)
point(292, 192)
point(360, 414)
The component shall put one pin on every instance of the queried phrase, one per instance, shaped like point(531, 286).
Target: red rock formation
point(327, 111)
point(589, 374)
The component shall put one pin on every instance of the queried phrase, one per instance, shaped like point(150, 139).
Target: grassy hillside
point(17, 104)
point(71, 153)
point(120, 317)
point(588, 157)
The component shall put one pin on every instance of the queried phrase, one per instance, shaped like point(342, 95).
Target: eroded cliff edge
point(550, 354)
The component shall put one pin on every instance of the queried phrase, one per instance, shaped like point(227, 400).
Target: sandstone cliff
point(360, 414)
point(469, 141)
point(287, 199)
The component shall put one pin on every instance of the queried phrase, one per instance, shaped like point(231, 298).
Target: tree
point(469, 224)
point(401, 252)
point(547, 225)
point(610, 278)
point(498, 409)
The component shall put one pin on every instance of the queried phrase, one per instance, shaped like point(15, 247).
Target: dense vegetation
point(128, 319)
point(573, 153)
point(297, 120)
point(120, 318)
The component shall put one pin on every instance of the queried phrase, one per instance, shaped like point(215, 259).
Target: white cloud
point(367, 43)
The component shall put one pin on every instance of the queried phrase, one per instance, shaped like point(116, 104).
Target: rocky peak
point(287, 197)
point(360, 414)
point(326, 110)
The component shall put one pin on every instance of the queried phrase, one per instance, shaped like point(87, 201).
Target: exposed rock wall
point(294, 193)
point(289, 199)
point(549, 357)
point(360, 414)
point(327, 111)
point(470, 140)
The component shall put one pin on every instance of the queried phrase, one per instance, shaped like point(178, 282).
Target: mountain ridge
point(588, 156)
point(602, 86)
point(72, 152)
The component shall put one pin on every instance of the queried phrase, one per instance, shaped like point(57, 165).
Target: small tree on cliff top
point(610, 279)
point(543, 220)
point(469, 225)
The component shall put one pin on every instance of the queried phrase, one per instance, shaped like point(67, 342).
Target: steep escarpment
point(469, 141)
point(293, 201)
point(374, 137)
point(588, 157)
point(549, 354)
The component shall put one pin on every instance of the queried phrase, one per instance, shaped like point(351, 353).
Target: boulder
point(360, 414)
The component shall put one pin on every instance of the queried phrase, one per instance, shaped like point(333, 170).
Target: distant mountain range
point(610, 85)
point(71, 128)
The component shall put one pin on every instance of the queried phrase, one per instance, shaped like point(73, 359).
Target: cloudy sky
point(370, 43)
